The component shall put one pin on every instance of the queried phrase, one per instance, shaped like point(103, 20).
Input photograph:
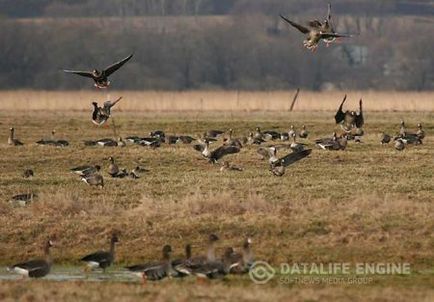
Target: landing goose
point(12, 140)
point(35, 268)
point(100, 77)
point(349, 119)
point(102, 259)
point(100, 115)
point(314, 33)
point(278, 166)
point(215, 155)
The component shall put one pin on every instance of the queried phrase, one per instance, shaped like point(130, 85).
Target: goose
point(228, 167)
point(284, 136)
point(171, 139)
point(420, 132)
point(214, 133)
point(296, 147)
point(104, 142)
point(100, 115)
point(328, 27)
point(399, 144)
point(278, 167)
point(343, 140)
point(230, 141)
point(258, 134)
point(349, 119)
point(181, 261)
point(211, 269)
point(158, 134)
point(113, 168)
point(244, 260)
point(291, 131)
point(28, 173)
point(271, 134)
point(100, 77)
point(385, 138)
point(155, 271)
point(402, 130)
point(35, 268)
point(264, 152)
point(314, 33)
point(215, 155)
point(12, 140)
point(186, 139)
point(85, 170)
point(121, 142)
point(303, 133)
point(252, 140)
point(94, 179)
point(22, 199)
point(52, 141)
point(328, 143)
point(102, 259)
point(122, 174)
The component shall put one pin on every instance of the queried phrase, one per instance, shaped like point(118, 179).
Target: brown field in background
point(159, 101)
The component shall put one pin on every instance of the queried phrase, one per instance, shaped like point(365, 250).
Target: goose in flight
point(350, 119)
point(101, 114)
point(315, 32)
point(215, 155)
point(100, 77)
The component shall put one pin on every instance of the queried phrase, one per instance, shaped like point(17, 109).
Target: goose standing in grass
point(86, 170)
point(420, 132)
point(296, 147)
point(402, 130)
point(385, 138)
point(291, 131)
point(241, 262)
point(215, 155)
point(271, 134)
point(278, 166)
point(254, 140)
point(228, 167)
point(303, 133)
point(181, 261)
point(100, 77)
point(231, 141)
point(399, 144)
point(102, 259)
point(28, 173)
point(94, 179)
point(35, 268)
point(100, 115)
point(155, 271)
point(328, 143)
point(12, 140)
point(113, 168)
point(314, 33)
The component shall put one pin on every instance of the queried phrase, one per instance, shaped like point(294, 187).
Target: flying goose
point(102, 259)
point(228, 167)
point(244, 260)
point(349, 119)
point(215, 155)
point(85, 170)
point(100, 77)
point(328, 27)
point(35, 268)
point(94, 179)
point(278, 166)
point(155, 271)
point(100, 115)
point(314, 33)
point(303, 133)
point(12, 140)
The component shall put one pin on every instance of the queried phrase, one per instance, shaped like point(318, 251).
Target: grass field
point(369, 203)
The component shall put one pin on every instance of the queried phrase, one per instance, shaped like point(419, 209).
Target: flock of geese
point(208, 266)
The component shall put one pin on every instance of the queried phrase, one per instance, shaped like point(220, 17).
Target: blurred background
point(216, 44)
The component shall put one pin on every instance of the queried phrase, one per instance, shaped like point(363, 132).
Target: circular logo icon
point(261, 272)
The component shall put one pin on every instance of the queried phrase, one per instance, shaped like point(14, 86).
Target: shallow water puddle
point(76, 273)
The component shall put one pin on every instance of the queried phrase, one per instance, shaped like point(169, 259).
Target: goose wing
point(359, 116)
point(294, 157)
point(112, 68)
point(109, 104)
point(31, 265)
point(199, 147)
point(340, 115)
point(222, 151)
point(86, 74)
point(301, 28)
point(99, 256)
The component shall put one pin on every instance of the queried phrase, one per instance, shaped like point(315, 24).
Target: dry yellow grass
point(211, 101)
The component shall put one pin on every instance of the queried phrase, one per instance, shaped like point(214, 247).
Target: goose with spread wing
point(349, 119)
point(216, 154)
point(278, 165)
point(100, 115)
point(100, 77)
